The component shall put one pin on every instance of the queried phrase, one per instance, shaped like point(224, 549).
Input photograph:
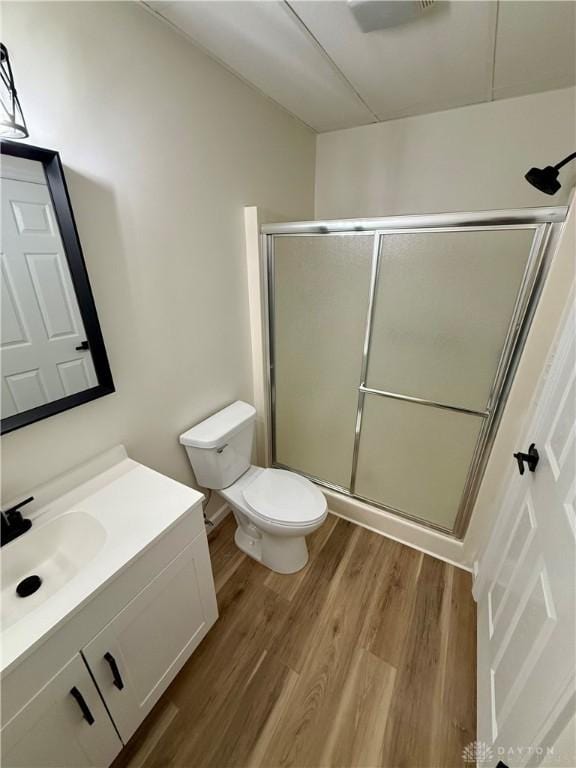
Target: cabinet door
point(53, 729)
point(140, 651)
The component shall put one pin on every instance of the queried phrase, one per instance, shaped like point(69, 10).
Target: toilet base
point(249, 545)
point(282, 554)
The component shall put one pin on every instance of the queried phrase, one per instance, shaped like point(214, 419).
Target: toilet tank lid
point(215, 430)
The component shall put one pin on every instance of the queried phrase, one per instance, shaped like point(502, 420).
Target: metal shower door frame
point(541, 220)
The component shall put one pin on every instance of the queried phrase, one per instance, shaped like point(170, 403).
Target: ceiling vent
point(372, 15)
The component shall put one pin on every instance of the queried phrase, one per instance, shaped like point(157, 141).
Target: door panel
point(50, 730)
point(27, 390)
point(138, 654)
point(443, 307)
point(415, 458)
point(514, 558)
point(54, 302)
point(321, 291)
point(526, 586)
point(41, 321)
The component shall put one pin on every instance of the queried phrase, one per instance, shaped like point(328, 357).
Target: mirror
point(52, 353)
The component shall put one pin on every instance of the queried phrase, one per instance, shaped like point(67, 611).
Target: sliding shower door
point(390, 351)
point(443, 310)
point(320, 294)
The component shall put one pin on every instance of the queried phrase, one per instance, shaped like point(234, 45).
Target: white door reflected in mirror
point(44, 353)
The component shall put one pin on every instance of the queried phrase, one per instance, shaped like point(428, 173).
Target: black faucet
point(13, 524)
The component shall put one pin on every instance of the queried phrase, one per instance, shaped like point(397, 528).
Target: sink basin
point(89, 526)
point(56, 552)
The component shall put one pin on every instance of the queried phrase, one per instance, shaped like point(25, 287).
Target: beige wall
point(473, 158)
point(162, 148)
point(557, 292)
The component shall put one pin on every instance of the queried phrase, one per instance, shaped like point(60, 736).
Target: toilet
point(274, 509)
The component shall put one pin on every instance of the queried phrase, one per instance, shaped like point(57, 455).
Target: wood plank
point(457, 726)
point(147, 737)
point(243, 717)
point(357, 734)
point(365, 658)
point(292, 641)
point(310, 717)
point(224, 554)
point(221, 536)
point(249, 616)
point(390, 613)
point(288, 585)
point(223, 663)
point(408, 740)
point(274, 721)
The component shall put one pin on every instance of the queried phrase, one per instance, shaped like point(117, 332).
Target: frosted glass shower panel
point(444, 303)
point(415, 458)
point(320, 304)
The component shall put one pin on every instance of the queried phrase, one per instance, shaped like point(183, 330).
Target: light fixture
point(546, 179)
point(12, 123)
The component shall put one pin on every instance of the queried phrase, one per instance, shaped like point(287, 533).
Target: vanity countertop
point(133, 505)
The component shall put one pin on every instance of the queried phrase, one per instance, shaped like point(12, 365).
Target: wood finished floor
point(366, 658)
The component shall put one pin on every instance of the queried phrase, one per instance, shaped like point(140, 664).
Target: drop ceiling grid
point(536, 47)
point(325, 53)
point(311, 58)
point(264, 44)
point(155, 8)
point(410, 69)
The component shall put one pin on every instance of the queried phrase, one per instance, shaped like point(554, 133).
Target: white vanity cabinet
point(80, 695)
point(55, 729)
point(140, 651)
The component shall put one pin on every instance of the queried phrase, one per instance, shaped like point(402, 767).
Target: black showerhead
point(546, 179)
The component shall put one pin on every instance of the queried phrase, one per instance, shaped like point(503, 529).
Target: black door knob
point(531, 458)
point(82, 347)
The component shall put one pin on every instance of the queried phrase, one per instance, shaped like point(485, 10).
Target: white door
point(138, 654)
point(526, 582)
point(41, 322)
point(53, 729)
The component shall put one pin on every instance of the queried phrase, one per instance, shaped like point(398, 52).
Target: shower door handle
point(531, 458)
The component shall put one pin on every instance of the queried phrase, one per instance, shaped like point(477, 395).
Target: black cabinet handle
point(82, 347)
point(531, 458)
point(118, 682)
point(85, 709)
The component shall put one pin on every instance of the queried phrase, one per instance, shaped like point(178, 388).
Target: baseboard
point(430, 542)
point(406, 532)
point(218, 515)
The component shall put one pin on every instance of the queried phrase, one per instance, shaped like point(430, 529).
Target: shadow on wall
point(114, 276)
point(69, 434)
point(96, 213)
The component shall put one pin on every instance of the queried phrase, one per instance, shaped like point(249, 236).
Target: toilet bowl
point(274, 509)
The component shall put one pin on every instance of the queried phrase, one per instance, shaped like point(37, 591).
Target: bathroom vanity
point(127, 594)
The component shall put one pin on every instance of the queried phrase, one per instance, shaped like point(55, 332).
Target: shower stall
point(392, 346)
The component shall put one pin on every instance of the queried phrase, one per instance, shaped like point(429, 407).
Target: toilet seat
point(285, 498)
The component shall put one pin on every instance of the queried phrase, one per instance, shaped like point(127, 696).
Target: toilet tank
point(220, 447)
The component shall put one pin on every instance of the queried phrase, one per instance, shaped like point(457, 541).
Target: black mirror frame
point(56, 182)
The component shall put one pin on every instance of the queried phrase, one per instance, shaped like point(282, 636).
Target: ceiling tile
point(442, 59)
point(266, 45)
point(535, 47)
